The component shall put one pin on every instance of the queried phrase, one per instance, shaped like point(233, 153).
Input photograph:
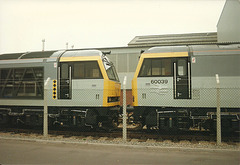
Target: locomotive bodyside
point(175, 87)
point(79, 92)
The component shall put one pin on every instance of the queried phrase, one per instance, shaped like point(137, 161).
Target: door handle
point(175, 81)
point(97, 96)
point(144, 95)
point(189, 81)
point(67, 95)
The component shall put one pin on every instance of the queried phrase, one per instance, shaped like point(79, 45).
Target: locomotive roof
point(26, 55)
point(48, 54)
point(198, 49)
point(164, 49)
point(76, 53)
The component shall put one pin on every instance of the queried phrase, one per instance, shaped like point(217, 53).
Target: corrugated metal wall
point(126, 59)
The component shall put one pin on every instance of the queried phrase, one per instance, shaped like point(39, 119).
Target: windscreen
point(110, 69)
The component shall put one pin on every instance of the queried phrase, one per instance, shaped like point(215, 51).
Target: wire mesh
point(158, 108)
point(91, 107)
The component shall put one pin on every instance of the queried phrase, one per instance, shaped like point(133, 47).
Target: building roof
point(175, 39)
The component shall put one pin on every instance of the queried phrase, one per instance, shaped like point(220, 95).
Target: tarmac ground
point(16, 151)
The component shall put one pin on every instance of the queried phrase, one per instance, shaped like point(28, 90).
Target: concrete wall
point(228, 27)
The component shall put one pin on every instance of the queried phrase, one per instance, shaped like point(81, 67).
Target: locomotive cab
point(89, 82)
point(174, 87)
point(84, 89)
point(163, 72)
point(80, 74)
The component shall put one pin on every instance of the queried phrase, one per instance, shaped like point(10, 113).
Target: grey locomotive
point(174, 87)
point(83, 90)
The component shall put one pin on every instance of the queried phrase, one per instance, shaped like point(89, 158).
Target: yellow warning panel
point(54, 88)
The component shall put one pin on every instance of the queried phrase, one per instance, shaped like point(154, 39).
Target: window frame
point(85, 65)
point(151, 67)
point(182, 67)
point(22, 83)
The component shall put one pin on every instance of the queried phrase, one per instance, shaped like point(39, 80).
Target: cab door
point(182, 79)
point(65, 75)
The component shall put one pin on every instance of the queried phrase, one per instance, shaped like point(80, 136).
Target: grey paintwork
point(167, 49)
point(209, 61)
point(203, 93)
point(82, 53)
point(83, 91)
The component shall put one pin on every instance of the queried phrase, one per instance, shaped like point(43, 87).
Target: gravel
point(184, 144)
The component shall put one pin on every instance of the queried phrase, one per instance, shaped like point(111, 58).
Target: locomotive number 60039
point(159, 81)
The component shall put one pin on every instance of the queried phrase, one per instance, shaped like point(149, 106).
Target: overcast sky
point(99, 23)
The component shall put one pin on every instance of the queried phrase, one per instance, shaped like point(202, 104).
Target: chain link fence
point(159, 108)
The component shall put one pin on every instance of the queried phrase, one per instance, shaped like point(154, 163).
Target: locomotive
point(84, 88)
point(174, 87)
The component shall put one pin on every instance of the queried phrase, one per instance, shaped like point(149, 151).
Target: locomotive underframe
point(93, 117)
point(180, 118)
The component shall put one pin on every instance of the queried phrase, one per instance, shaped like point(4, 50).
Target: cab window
point(86, 70)
point(156, 67)
point(182, 67)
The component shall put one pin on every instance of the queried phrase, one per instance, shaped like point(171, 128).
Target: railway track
point(133, 135)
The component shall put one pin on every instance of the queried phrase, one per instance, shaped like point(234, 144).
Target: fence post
point(124, 110)
point(219, 136)
point(45, 111)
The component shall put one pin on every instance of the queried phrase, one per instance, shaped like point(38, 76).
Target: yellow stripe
point(134, 91)
point(111, 89)
point(167, 54)
point(87, 58)
point(151, 55)
point(79, 58)
point(134, 82)
point(138, 67)
point(102, 68)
